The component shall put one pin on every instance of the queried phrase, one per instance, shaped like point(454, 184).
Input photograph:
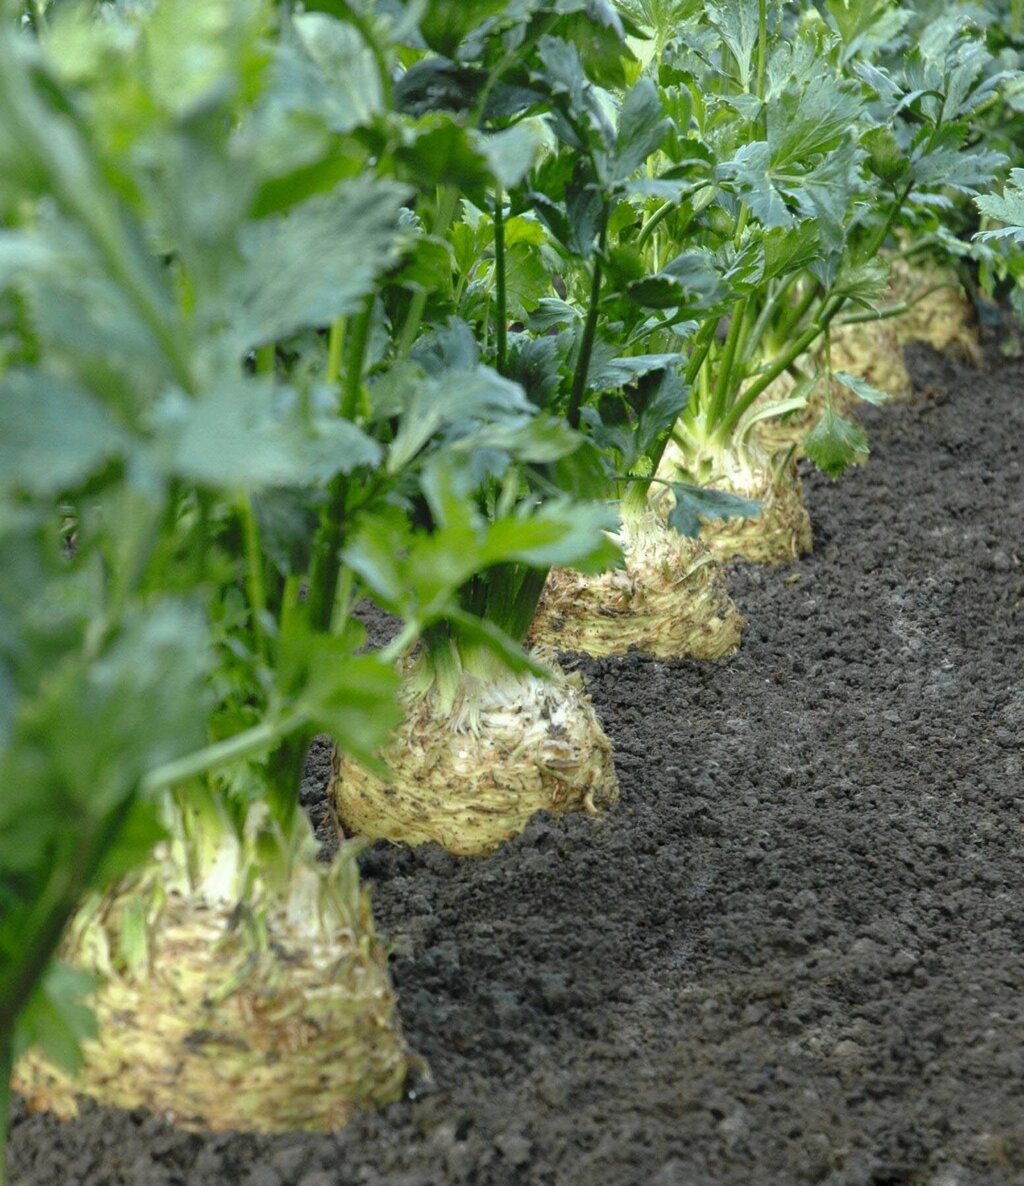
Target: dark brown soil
point(795, 953)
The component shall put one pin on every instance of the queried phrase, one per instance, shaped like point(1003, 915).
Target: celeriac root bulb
point(780, 533)
point(469, 771)
point(873, 351)
point(670, 600)
point(944, 318)
point(288, 1023)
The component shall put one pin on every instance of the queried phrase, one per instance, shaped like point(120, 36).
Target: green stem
point(634, 500)
point(516, 621)
point(402, 641)
point(893, 310)
point(355, 360)
point(775, 294)
point(446, 207)
point(335, 342)
point(284, 770)
point(656, 219)
point(814, 330)
point(762, 46)
point(883, 231)
point(325, 567)
point(411, 326)
point(250, 741)
point(266, 356)
point(579, 379)
point(254, 578)
point(500, 289)
point(795, 313)
point(701, 348)
point(724, 383)
point(733, 416)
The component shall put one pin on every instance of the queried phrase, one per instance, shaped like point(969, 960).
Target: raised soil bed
point(793, 954)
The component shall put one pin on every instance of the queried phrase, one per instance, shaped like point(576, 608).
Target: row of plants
point(511, 318)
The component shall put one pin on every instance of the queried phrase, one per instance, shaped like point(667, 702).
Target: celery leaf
point(835, 443)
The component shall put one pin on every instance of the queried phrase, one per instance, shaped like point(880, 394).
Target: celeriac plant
point(194, 473)
point(807, 172)
point(533, 277)
point(483, 746)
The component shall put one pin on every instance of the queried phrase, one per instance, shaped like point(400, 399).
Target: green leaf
point(316, 263)
point(418, 574)
point(827, 194)
point(835, 443)
point(338, 447)
point(585, 206)
point(468, 406)
point(642, 128)
point(788, 250)
point(1008, 208)
point(615, 435)
point(527, 280)
point(344, 83)
point(607, 373)
point(862, 283)
point(445, 153)
point(949, 166)
point(862, 389)
point(854, 18)
point(8, 703)
point(22, 253)
point(287, 526)
point(198, 54)
point(56, 1019)
point(737, 22)
point(693, 503)
point(93, 730)
point(559, 533)
point(597, 28)
point(352, 697)
point(85, 321)
point(248, 434)
point(566, 78)
point(662, 398)
point(536, 365)
point(471, 629)
point(427, 267)
point(436, 84)
point(750, 170)
point(137, 836)
point(886, 158)
point(376, 553)
point(803, 124)
point(53, 434)
point(512, 152)
point(446, 23)
point(690, 283)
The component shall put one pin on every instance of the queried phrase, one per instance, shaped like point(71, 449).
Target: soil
point(793, 954)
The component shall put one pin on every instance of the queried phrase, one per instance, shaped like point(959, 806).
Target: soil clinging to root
point(793, 954)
